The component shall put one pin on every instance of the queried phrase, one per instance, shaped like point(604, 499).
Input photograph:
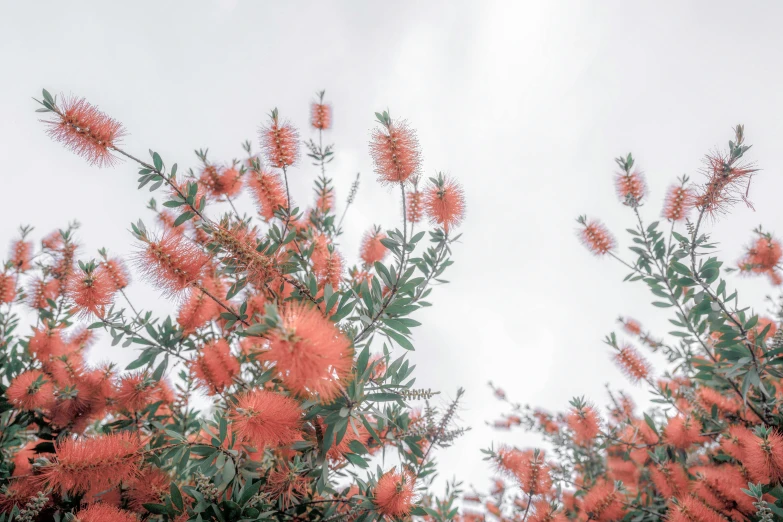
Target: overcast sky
point(526, 103)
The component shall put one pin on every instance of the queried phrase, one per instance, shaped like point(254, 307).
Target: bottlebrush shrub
point(303, 357)
point(710, 448)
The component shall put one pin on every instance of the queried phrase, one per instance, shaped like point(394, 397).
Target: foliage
point(312, 410)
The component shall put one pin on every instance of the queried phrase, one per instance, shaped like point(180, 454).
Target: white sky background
point(526, 103)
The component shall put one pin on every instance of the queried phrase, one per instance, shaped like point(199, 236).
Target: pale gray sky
point(526, 103)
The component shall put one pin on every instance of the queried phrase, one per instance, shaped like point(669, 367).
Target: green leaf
point(157, 161)
point(185, 216)
point(176, 496)
point(401, 340)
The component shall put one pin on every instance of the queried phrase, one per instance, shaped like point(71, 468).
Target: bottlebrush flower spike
point(198, 309)
point(21, 255)
point(172, 263)
point(266, 419)
point(150, 487)
point(631, 326)
point(528, 468)
point(683, 431)
point(603, 503)
point(394, 148)
point(215, 367)
point(678, 203)
point(268, 191)
point(669, 478)
point(117, 273)
point(328, 269)
point(763, 456)
point(221, 181)
point(311, 356)
point(93, 464)
point(84, 129)
point(690, 508)
point(584, 422)
point(30, 390)
point(545, 511)
point(135, 392)
point(393, 495)
point(726, 175)
point(372, 249)
point(279, 142)
point(286, 485)
point(238, 244)
point(444, 202)
point(596, 237)
point(90, 290)
point(321, 113)
point(415, 205)
point(631, 362)
point(100, 512)
point(7, 288)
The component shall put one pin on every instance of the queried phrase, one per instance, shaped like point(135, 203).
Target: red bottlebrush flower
point(87, 131)
point(631, 326)
point(135, 392)
point(721, 488)
point(221, 181)
point(395, 151)
point(597, 238)
point(321, 116)
point(238, 250)
point(372, 250)
point(93, 464)
point(286, 485)
point(669, 478)
point(7, 288)
point(546, 421)
point(215, 367)
point(41, 292)
point(264, 418)
point(279, 142)
point(149, 487)
point(393, 495)
point(544, 511)
point(100, 512)
point(765, 254)
point(682, 432)
point(763, 457)
point(415, 206)
point(631, 362)
point(735, 441)
point(312, 357)
point(173, 263)
point(328, 269)
point(603, 503)
point(631, 187)
point(90, 291)
point(355, 431)
point(444, 202)
point(624, 470)
point(21, 255)
point(269, 192)
point(679, 202)
point(528, 468)
point(53, 241)
point(725, 176)
point(30, 390)
point(692, 508)
point(709, 397)
point(585, 423)
point(117, 273)
point(197, 310)
point(46, 343)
